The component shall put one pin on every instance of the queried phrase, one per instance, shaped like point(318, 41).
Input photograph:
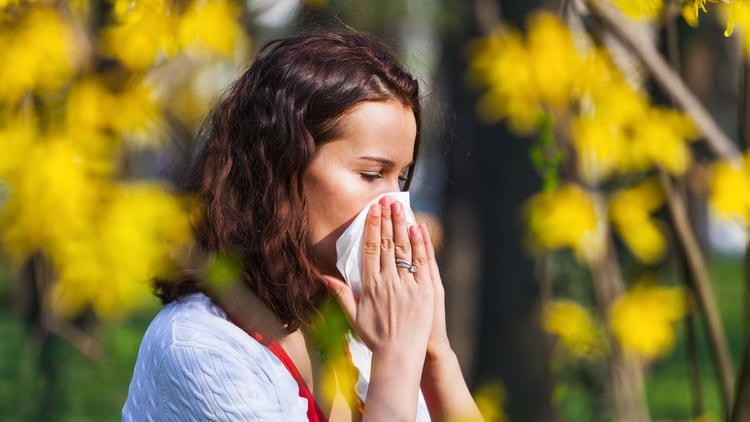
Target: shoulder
point(192, 359)
point(194, 322)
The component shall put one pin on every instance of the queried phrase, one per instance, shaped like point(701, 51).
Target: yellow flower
point(730, 189)
point(501, 63)
point(602, 132)
point(338, 380)
point(609, 134)
point(555, 62)
point(138, 237)
point(522, 75)
point(17, 134)
point(490, 398)
point(600, 146)
point(598, 76)
point(568, 217)
point(574, 327)
point(737, 13)
point(130, 111)
point(41, 47)
point(630, 212)
point(662, 141)
point(144, 32)
point(4, 4)
point(212, 25)
point(104, 240)
point(642, 319)
point(691, 10)
point(640, 9)
point(51, 198)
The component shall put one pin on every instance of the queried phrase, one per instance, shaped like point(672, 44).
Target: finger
point(371, 245)
point(430, 252)
point(419, 255)
point(344, 296)
point(401, 242)
point(387, 256)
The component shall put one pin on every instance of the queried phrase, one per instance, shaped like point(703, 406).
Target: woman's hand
point(394, 313)
point(400, 316)
point(395, 309)
point(438, 343)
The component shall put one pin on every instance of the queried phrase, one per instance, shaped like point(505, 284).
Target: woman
point(322, 123)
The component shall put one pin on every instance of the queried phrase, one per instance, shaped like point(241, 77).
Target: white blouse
point(195, 365)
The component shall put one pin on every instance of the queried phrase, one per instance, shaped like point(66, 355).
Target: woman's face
point(374, 151)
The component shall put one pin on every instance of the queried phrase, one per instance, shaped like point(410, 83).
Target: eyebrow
point(384, 161)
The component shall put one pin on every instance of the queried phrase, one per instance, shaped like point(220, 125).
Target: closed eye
point(371, 175)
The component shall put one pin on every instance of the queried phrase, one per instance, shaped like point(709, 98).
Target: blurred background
point(592, 215)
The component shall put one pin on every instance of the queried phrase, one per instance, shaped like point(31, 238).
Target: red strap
point(314, 414)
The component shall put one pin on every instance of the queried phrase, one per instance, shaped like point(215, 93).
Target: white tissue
point(349, 244)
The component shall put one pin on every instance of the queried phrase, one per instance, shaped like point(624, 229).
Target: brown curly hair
point(259, 140)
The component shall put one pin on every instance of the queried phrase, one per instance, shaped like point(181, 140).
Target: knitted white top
point(195, 365)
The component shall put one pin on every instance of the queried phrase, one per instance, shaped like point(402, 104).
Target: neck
point(295, 346)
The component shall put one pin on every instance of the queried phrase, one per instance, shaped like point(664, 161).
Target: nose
point(395, 184)
point(387, 187)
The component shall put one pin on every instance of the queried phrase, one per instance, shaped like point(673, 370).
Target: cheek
point(330, 212)
point(328, 216)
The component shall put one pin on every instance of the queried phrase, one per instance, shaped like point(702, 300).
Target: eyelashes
point(377, 175)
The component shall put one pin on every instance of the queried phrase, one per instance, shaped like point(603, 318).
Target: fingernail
point(375, 209)
point(396, 208)
point(386, 201)
point(414, 231)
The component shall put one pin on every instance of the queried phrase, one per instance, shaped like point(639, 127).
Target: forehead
point(384, 127)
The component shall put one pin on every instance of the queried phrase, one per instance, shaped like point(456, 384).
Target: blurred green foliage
point(47, 378)
point(581, 390)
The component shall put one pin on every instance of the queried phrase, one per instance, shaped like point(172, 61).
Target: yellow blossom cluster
point(490, 398)
point(149, 30)
point(622, 133)
point(630, 212)
point(737, 14)
point(571, 217)
point(521, 74)
point(641, 9)
point(613, 126)
point(568, 217)
point(652, 9)
point(338, 380)
point(732, 13)
point(730, 189)
point(129, 111)
point(105, 239)
point(691, 10)
point(643, 318)
point(574, 327)
point(39, 52)
point(67, 124)
point(137, 237)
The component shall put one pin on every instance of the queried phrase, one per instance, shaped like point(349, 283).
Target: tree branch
point(703, 290)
